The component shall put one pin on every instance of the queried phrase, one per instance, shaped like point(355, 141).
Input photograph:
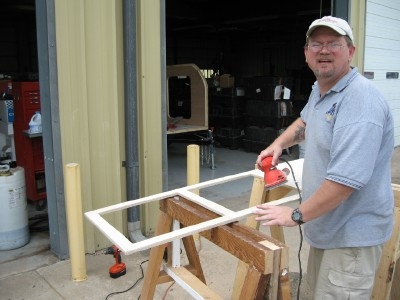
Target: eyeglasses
point(317, 47)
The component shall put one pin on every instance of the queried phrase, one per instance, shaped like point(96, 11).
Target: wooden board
point(395, 287)
point(193, 285)
point(258, 196)
point(386, 280)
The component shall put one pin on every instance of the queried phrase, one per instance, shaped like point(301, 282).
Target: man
point(347, 206)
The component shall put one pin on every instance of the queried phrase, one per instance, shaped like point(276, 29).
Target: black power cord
point(300, 230)
point(39, 223)
point(133, 285)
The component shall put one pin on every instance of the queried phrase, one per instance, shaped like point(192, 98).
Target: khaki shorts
point(345, 273)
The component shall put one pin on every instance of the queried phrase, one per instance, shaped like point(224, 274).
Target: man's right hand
point(273, 150)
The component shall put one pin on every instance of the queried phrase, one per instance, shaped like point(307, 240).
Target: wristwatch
point(297, 216)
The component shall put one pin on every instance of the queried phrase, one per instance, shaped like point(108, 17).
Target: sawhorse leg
point(258, 196)
point(156, 256)
point(153, 275)
point(386, 279)
point(263, 253)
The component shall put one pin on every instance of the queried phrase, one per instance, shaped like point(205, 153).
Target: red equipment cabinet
point(29, 147)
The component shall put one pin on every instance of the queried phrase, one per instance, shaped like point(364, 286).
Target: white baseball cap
point(337, 24)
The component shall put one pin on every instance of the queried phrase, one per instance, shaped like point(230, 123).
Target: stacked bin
point(267, 114)
point(226, 115)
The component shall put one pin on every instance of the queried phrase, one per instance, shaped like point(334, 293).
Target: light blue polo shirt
point(349, 139)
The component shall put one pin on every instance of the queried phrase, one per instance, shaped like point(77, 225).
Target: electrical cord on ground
point(39, 223)
point(98, 252)
point(133, 285)
point(167, 290)
point(300, 230)
point(165, 257)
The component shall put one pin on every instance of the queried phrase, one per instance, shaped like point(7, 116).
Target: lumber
point(128, 247)
point(259, 250)
point(258, 196)
point(193, 285)
point(251, 284)
point(264, 258)
point(395, 288)
point(193, 257)
point(386, 275)
point(239, 243)
point(155, 259)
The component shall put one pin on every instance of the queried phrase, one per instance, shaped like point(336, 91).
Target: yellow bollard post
point(73, 203)
point(193, 165)
point(193, 171)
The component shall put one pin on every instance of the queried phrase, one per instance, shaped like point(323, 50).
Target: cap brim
point(335, 28)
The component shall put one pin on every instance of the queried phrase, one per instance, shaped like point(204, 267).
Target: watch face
point(297, 216)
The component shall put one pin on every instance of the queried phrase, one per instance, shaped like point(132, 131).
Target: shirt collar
point(342, 83)
point(345, 80)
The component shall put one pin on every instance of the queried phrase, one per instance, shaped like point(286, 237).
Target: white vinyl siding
point(382, 51)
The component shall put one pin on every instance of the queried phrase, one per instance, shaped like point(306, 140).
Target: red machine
point(273, 177)
point(119, 268)
point(29, 147)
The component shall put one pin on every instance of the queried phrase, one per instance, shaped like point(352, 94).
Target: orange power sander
point(119, 268)
point(273, 177)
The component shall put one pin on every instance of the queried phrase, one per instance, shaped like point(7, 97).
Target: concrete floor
point(33, 272)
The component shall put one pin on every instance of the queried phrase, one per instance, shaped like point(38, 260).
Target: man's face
point(328, 54)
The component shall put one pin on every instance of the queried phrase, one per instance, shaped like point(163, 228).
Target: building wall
point(150, 99)
point(90, 82)
point(382, 52)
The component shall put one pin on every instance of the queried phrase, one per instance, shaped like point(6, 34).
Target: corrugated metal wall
point(149, 107)
point(90, 81)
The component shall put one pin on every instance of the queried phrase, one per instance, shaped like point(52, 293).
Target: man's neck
point(325, 84)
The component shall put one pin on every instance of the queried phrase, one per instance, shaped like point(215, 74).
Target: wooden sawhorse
point(185, 213)
point(266, 256)
point(386, 285)
point(259, 196)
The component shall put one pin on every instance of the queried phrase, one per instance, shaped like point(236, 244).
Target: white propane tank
point(14, 222)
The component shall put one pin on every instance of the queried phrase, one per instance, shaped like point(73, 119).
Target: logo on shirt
point(330, 113)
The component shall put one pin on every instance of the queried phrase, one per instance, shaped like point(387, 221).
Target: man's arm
point(327, 197)
point(293, 135)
